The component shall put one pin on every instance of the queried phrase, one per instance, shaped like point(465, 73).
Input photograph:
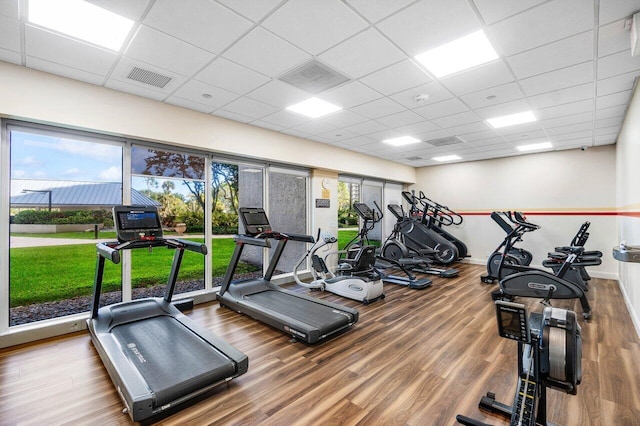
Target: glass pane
point(181, 206)
point(348, 220)
point(288, 214)
point(155, 162)
point(62, 192)
point(234, 186)
point(371, 194)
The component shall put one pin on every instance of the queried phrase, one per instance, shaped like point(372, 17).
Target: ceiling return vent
point(313, 77)
point(414, 158)
point(148, 77)
point(449, 140)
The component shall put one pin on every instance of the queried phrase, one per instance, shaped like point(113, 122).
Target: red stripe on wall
point(583, 213)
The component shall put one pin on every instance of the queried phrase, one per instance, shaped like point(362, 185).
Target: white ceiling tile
point(569, 51)
point(362, 54)
point(193, 90)
point(131, 9)
point(250, 108)
point(430, 23)
point(304, 22)
point(434, 90)
point(526, 128)
point(9, 34)
point(614, 99)
point(431, 135)
point(377, 10)
point(588, 125)
point(279, 94)
point(338, 135)
point(395, 78)
point(585, 134)
point(527, 137)
point(10, 9)
point(507, 108)
point(567, 120)
point(152, 46)
point(490, 75)
point(559, 79)
point(482, 135)
point(266, 53)
point(460, 119)
point(314, 127)
point(203, 23)
point(232, 116)
point(285, 119)
point(189, 104)
point(343, 118)
point(254, 10)
point(543, 24)
point(566, 109)
point(562, 96)
point(616, 84)
point(492, 144)
point(10, 56)
point(618, 63)
point(64, 71)
point(495, 95)
point(350, 95)
point(65, 51)
point(367, 127)
point(464, 129)
point(613, 38)
point(607, 130)
point(358, 141)
point(612, 10)
point(297, 133)
point(572, 143)
point(612, 121)
point(378, 108)
point(236, 78)
point(420, 127)
point(400, 119)
point(497, 10)
point(610, 112)
point(605, 139)
point(135, 89)
point(441, 109)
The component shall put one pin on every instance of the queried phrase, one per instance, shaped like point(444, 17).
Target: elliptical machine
point(549, 356)
point(356, 278)
point(514, 255)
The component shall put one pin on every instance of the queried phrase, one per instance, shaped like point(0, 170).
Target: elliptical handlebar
point(518, 219)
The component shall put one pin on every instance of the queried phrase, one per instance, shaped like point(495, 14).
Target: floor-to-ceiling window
point(62, 187)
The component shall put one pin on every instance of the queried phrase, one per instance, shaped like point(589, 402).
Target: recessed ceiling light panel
point(314, 108)
point(401, 141)
point(512, 119)
point(466, 52)
point(534, 147)
point(443, 158)
point(81, 20)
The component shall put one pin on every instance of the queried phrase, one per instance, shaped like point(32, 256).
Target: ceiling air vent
point(449, 140)
point(148, 77)
point(414, 158)
point(313, 77)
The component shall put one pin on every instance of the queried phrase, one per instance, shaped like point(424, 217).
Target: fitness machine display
point(302, 317)
point(549, 356)
point(156, 356)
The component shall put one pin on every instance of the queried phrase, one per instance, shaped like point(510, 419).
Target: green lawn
point(46, 274)
point(43, 274)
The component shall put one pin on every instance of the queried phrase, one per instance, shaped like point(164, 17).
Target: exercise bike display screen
point(512, 321)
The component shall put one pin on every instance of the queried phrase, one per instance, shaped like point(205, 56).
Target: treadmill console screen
point(254, 220)
point(137, 222)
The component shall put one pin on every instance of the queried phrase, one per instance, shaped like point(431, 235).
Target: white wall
point(37, 96)
point(628, 202)
point(558, 189)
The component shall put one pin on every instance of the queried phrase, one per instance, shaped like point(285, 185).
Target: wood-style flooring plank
point(419, 357)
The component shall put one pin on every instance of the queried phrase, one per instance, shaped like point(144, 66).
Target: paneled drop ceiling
point(567, 60)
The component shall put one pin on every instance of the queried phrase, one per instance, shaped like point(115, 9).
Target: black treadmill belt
point(173, 361)
point(322, 317)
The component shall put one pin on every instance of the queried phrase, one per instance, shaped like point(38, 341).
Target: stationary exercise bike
point(355, 278)
point(549, 356)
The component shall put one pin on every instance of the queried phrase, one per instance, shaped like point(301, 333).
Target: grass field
point(46, 274)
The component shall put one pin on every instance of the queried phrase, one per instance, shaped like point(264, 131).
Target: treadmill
point(302, 317)
point(156, 356)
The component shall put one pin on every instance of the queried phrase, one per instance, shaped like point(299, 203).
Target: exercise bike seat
point(363, 261)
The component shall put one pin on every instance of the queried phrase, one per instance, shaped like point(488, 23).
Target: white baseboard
point(632, 312)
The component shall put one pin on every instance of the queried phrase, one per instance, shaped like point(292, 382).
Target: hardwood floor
point(418, 358)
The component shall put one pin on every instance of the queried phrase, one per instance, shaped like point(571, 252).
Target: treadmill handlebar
point(111, 250)
point(262, 238)
point(108, 252)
